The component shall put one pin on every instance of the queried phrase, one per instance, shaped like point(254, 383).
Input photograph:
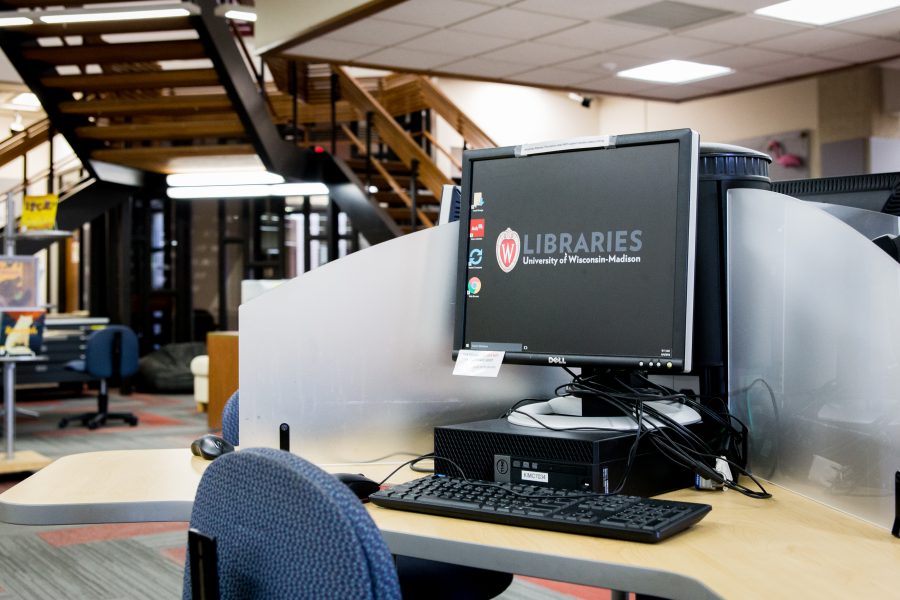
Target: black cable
point(669, 437)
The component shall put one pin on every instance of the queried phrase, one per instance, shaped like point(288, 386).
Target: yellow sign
point(39, 212)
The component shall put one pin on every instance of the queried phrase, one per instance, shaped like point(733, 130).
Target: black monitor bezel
point(686, 208)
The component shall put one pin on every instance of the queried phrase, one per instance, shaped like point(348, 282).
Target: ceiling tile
point(603, 64)
point(742, 30)
point(333, 49)
point(581, 9)
point(812, 41)
point(738, 79)
point(615, 85)
point(794, 67)
point(515, 24)
point(550, 76)
point(747, 6)
point(435, 13)
point(670, 46)
point(378, 32)
point(456, 43)
point(495, 2)
point(873, 49)
point(403, 58)
point(478, 67)
point(886, 24)
point(675, 92)
point(601, 36)
point(535, 53)
point(744, 57)
point(670, 15)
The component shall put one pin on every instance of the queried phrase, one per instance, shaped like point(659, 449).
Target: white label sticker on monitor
point(478, 363)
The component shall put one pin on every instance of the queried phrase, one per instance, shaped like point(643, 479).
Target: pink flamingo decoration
point(785, 159)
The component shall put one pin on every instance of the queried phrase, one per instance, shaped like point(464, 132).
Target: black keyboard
point(587, 513)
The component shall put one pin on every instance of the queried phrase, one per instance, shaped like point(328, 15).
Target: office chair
point(419, 578)
point(231, 428)
point(110, 353)
point(283, 528)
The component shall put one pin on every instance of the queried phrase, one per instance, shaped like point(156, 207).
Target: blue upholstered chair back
point(286, 529)
point(98, 355)
point(231, 427)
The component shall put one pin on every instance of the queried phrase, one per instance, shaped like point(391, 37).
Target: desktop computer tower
point(494, 450)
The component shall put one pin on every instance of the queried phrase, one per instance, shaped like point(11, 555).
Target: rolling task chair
point(283, 528)
point(419, 578)
point(111, 352)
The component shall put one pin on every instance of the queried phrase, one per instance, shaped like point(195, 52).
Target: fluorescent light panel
point(675, 71)
point(11, 20)
point(118, 15)
point(241, 15)
point(248, 191)
point(824, 12)
point(223, 178)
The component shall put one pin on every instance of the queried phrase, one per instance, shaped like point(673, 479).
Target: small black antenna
point(284, 437)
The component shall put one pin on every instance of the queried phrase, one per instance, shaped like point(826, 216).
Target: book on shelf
point(22, 331)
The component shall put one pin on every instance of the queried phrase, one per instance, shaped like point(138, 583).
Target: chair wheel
point(63, 423)
point(133, 421)
point(93, 425)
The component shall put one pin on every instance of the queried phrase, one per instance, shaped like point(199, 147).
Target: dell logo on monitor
point(556, 360)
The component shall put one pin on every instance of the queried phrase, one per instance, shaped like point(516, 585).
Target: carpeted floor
point(129, 560)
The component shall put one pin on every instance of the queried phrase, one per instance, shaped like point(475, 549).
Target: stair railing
point(390, 179)
point(434, 98)
point(398, 140)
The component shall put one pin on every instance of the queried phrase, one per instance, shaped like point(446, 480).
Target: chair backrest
point(102, 347)
point(231, 427)
point(286, 529)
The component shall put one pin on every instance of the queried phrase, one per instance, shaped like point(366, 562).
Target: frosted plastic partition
point(356, 356)
point(814, 352)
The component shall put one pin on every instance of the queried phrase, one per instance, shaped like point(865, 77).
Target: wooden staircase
point(366, 122)
point(167, 95)
point(151, 95)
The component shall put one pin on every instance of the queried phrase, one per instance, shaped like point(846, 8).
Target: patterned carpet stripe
point(105, 532)
point(125, 561)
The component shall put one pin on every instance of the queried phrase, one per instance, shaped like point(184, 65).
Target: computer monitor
point(580, 252)
point(878, 192)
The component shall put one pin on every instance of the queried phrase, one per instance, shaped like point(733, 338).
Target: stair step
point(117, 53)
point(132, 81)
point(394, 167)
point(401, 215)
point(159, 159)
point(186, 104)
point(164, 131)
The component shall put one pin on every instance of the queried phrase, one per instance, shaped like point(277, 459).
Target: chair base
point(93, 420)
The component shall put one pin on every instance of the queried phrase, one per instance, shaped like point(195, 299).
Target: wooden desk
point(222, 347)
point(785, 547)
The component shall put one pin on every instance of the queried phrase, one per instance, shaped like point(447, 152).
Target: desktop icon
point(474, 286)
point(508, 246)
point(476, 228)
point(475, 257)
point(477, 201)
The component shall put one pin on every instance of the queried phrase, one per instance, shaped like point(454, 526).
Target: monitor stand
point(592, 412)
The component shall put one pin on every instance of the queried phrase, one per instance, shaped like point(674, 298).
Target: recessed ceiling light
point(674, 71)
point(819, 12)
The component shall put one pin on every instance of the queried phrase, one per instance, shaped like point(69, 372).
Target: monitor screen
point(580, 252)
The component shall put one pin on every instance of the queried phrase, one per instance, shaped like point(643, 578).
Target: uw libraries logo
point(508, 250)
